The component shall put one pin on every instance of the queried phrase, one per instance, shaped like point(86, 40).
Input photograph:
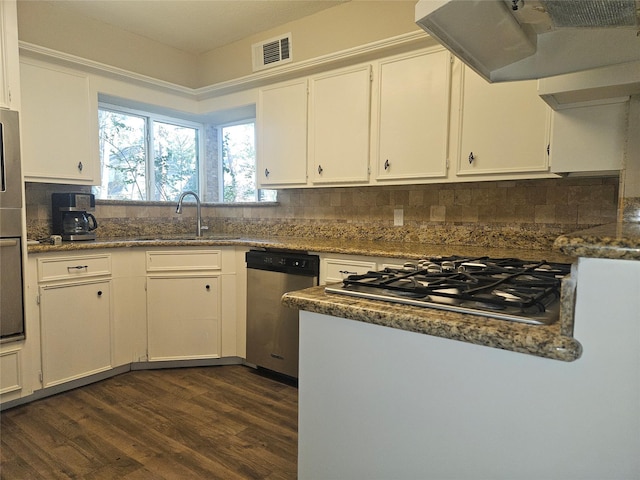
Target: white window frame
point(149, 118)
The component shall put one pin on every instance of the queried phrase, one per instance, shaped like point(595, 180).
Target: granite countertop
point(615, 241)
point(546, 341)
point(553, 341)
point(373, 248)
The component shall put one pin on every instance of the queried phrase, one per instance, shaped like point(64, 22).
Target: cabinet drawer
point(333, 269)
point(66, 268)
point(10, 376)
point(188, 260)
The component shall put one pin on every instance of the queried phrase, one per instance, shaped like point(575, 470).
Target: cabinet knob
point(471, 157)
point(266, 172)
point(208, 287)
point(80, 166)
point(320, 169)
point(99, 293)
point(387, 164)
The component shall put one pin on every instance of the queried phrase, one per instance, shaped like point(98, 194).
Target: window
point(149, 157)
point(238, 153)
point(145, 157)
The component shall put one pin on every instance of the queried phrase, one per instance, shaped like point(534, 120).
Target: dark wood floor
point(226, 422)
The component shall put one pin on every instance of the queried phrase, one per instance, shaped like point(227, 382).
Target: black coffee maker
point(69, 212)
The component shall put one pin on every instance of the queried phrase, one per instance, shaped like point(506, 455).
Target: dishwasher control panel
point(297, 263)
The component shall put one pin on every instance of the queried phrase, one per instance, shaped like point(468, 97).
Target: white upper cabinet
point(589, 138)
point(9, 64)
point(339, 109)
point(411, 116)
point(498, 128)
point(59, 125)
point(282, 134)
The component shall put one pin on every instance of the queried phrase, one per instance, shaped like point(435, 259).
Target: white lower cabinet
point(333, 270)
point(10, 370)
point(183, 317)
point(75, 327)
point(183, 304)
point(90, 314)
point(74, 296)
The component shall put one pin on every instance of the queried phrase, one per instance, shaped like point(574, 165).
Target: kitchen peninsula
point(381, 402)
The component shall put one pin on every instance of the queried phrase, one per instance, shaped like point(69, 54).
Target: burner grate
point(508, 286)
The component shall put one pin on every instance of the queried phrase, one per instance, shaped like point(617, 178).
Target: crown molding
point(57, 57)
point(405, 42)
point(398, 44)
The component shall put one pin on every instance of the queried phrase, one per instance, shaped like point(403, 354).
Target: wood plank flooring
point(223, 422)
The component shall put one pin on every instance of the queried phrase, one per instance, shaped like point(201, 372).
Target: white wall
point(381, 403)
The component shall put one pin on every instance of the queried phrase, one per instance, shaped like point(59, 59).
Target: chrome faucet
point(199, 226)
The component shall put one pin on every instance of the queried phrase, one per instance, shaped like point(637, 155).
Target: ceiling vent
point(272, 52)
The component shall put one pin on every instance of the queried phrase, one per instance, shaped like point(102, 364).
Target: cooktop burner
point(502, 288)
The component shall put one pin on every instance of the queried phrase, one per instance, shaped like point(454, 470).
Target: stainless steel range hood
point(506, 40)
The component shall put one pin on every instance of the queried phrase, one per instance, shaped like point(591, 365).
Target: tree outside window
point(239, 165)
point(147, 157)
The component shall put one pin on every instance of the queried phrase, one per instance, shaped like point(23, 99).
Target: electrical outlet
point(398, 217)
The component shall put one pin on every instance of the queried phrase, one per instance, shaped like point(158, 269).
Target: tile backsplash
point(485, 213)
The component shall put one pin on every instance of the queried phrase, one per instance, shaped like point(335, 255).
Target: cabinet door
point(59, 126)
point(9, 66)
point(502, 127)
point(282, 134)
point(413, 116)
point(183, 317)
point(339, 126)
point(76, 330)
point(589, 138)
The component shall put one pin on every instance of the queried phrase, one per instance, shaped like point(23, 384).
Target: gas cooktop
point(500, 288)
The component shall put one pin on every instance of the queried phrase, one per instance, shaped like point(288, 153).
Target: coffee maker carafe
point(70, 216)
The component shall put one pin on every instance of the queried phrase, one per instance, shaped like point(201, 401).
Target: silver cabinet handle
point(471, 157)
point(8, 243)
point(347, 272)
point(78, 267)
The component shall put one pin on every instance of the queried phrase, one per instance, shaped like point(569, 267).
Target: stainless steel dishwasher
point(272, 329)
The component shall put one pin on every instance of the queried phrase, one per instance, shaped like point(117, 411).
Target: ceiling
point(194, 26)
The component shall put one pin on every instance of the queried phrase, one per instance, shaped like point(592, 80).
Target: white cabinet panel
point(339, 108)
point(333, 270)
point(183, 317)
point(412, 116)
point(184, 260)
point(589, 138)
point(73, 267)
point(76, 330)
point(9, 63)
point(10, 370)
point(59, 125)
point(282, 134)
point(500, 128)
